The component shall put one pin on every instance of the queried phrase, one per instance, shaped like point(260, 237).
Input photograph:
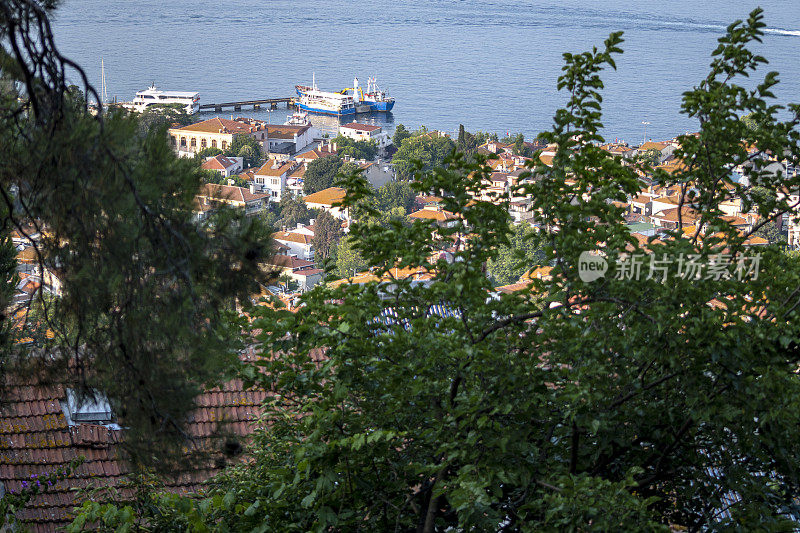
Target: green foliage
point(158, 116)
point(650, 157)
point(247, 147)
point(290, 212)
point(424, 150)
point(211, 176)
point(211, 151)
point(321, 173)
point(145, 314)
point(327, 233)
point(770, 232)
point(349, 259)
point(616, 404)
point(522, 253)
point(400, 134)
point(367, 150)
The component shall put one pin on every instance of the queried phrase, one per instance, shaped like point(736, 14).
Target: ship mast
point(103, 88)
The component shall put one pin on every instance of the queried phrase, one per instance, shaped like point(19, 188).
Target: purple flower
point(24, 484)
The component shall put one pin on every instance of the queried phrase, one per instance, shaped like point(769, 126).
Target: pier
point(237, 106)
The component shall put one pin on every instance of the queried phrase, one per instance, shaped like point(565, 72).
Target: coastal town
point(213, 320)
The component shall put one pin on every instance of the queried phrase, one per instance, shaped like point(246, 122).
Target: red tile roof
point(360, 127)
point(36, 440)
point(219, 162)
point(214, 191)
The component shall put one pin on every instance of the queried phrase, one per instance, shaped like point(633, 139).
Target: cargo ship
point(346, 102)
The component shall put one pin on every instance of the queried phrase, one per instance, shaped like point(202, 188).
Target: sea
point(491, 65)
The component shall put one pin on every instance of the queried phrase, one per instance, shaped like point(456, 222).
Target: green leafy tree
point(144, 315)
point(321, 173)
point(162, 115)
point(622, 403)
point(247, 147)
point(516, 258)
point(211, 151)
point(367, 150)
point(327, 233)
point(349, 260)
point(421, 151)
point(293, 211)
point(400, 134)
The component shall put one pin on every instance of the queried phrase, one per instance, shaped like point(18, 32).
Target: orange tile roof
point(228, 192)
point(327, 196)
point(433, 214)
point(214, 125)
point(291, 236)
point(269, 168)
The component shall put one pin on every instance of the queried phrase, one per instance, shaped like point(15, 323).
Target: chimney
point(230, 182)
point(252, 188)
point(334, 147)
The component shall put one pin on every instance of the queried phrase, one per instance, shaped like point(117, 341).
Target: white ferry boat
point(153, 96)
point(313, 100)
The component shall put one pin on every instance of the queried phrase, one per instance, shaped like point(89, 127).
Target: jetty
point(237, 106)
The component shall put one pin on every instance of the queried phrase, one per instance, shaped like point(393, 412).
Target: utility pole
point(645, 131)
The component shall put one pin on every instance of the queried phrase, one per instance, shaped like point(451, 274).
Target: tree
point(293, 211)
point(366, 150)
point(144, 314)
point(615, 403)
point(211, 151)
point(327, 232)
point(349, 260)
point(400, 134)
point(423, 150)
point(395, 194)
point(246, 147)
point(516, 258)
point(162, 115)
point(321, 173)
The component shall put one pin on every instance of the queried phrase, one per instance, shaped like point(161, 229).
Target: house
point(440, 216)
point(325, 200)
point(272, 177)
point(365, 132)
point(288, 138)
point(323, 150)
point(295, 181)
point(298, 242)
point(248, 199)
point(304, 272)
point(227, 166)
point(45, 426)
point(214, 133)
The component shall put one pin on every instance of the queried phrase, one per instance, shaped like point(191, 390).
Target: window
point(173, 141)
point(214, 143)
point(224, 145)
point(94, 408)
point(203, 143)
point(193, 144)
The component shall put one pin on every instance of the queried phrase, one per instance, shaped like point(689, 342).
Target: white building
point(289, 138)
point(365, 132)
point(271, 177)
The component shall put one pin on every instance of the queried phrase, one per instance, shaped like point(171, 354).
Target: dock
point(237, 106)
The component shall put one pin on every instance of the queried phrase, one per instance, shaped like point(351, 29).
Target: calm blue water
point(491, 65)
